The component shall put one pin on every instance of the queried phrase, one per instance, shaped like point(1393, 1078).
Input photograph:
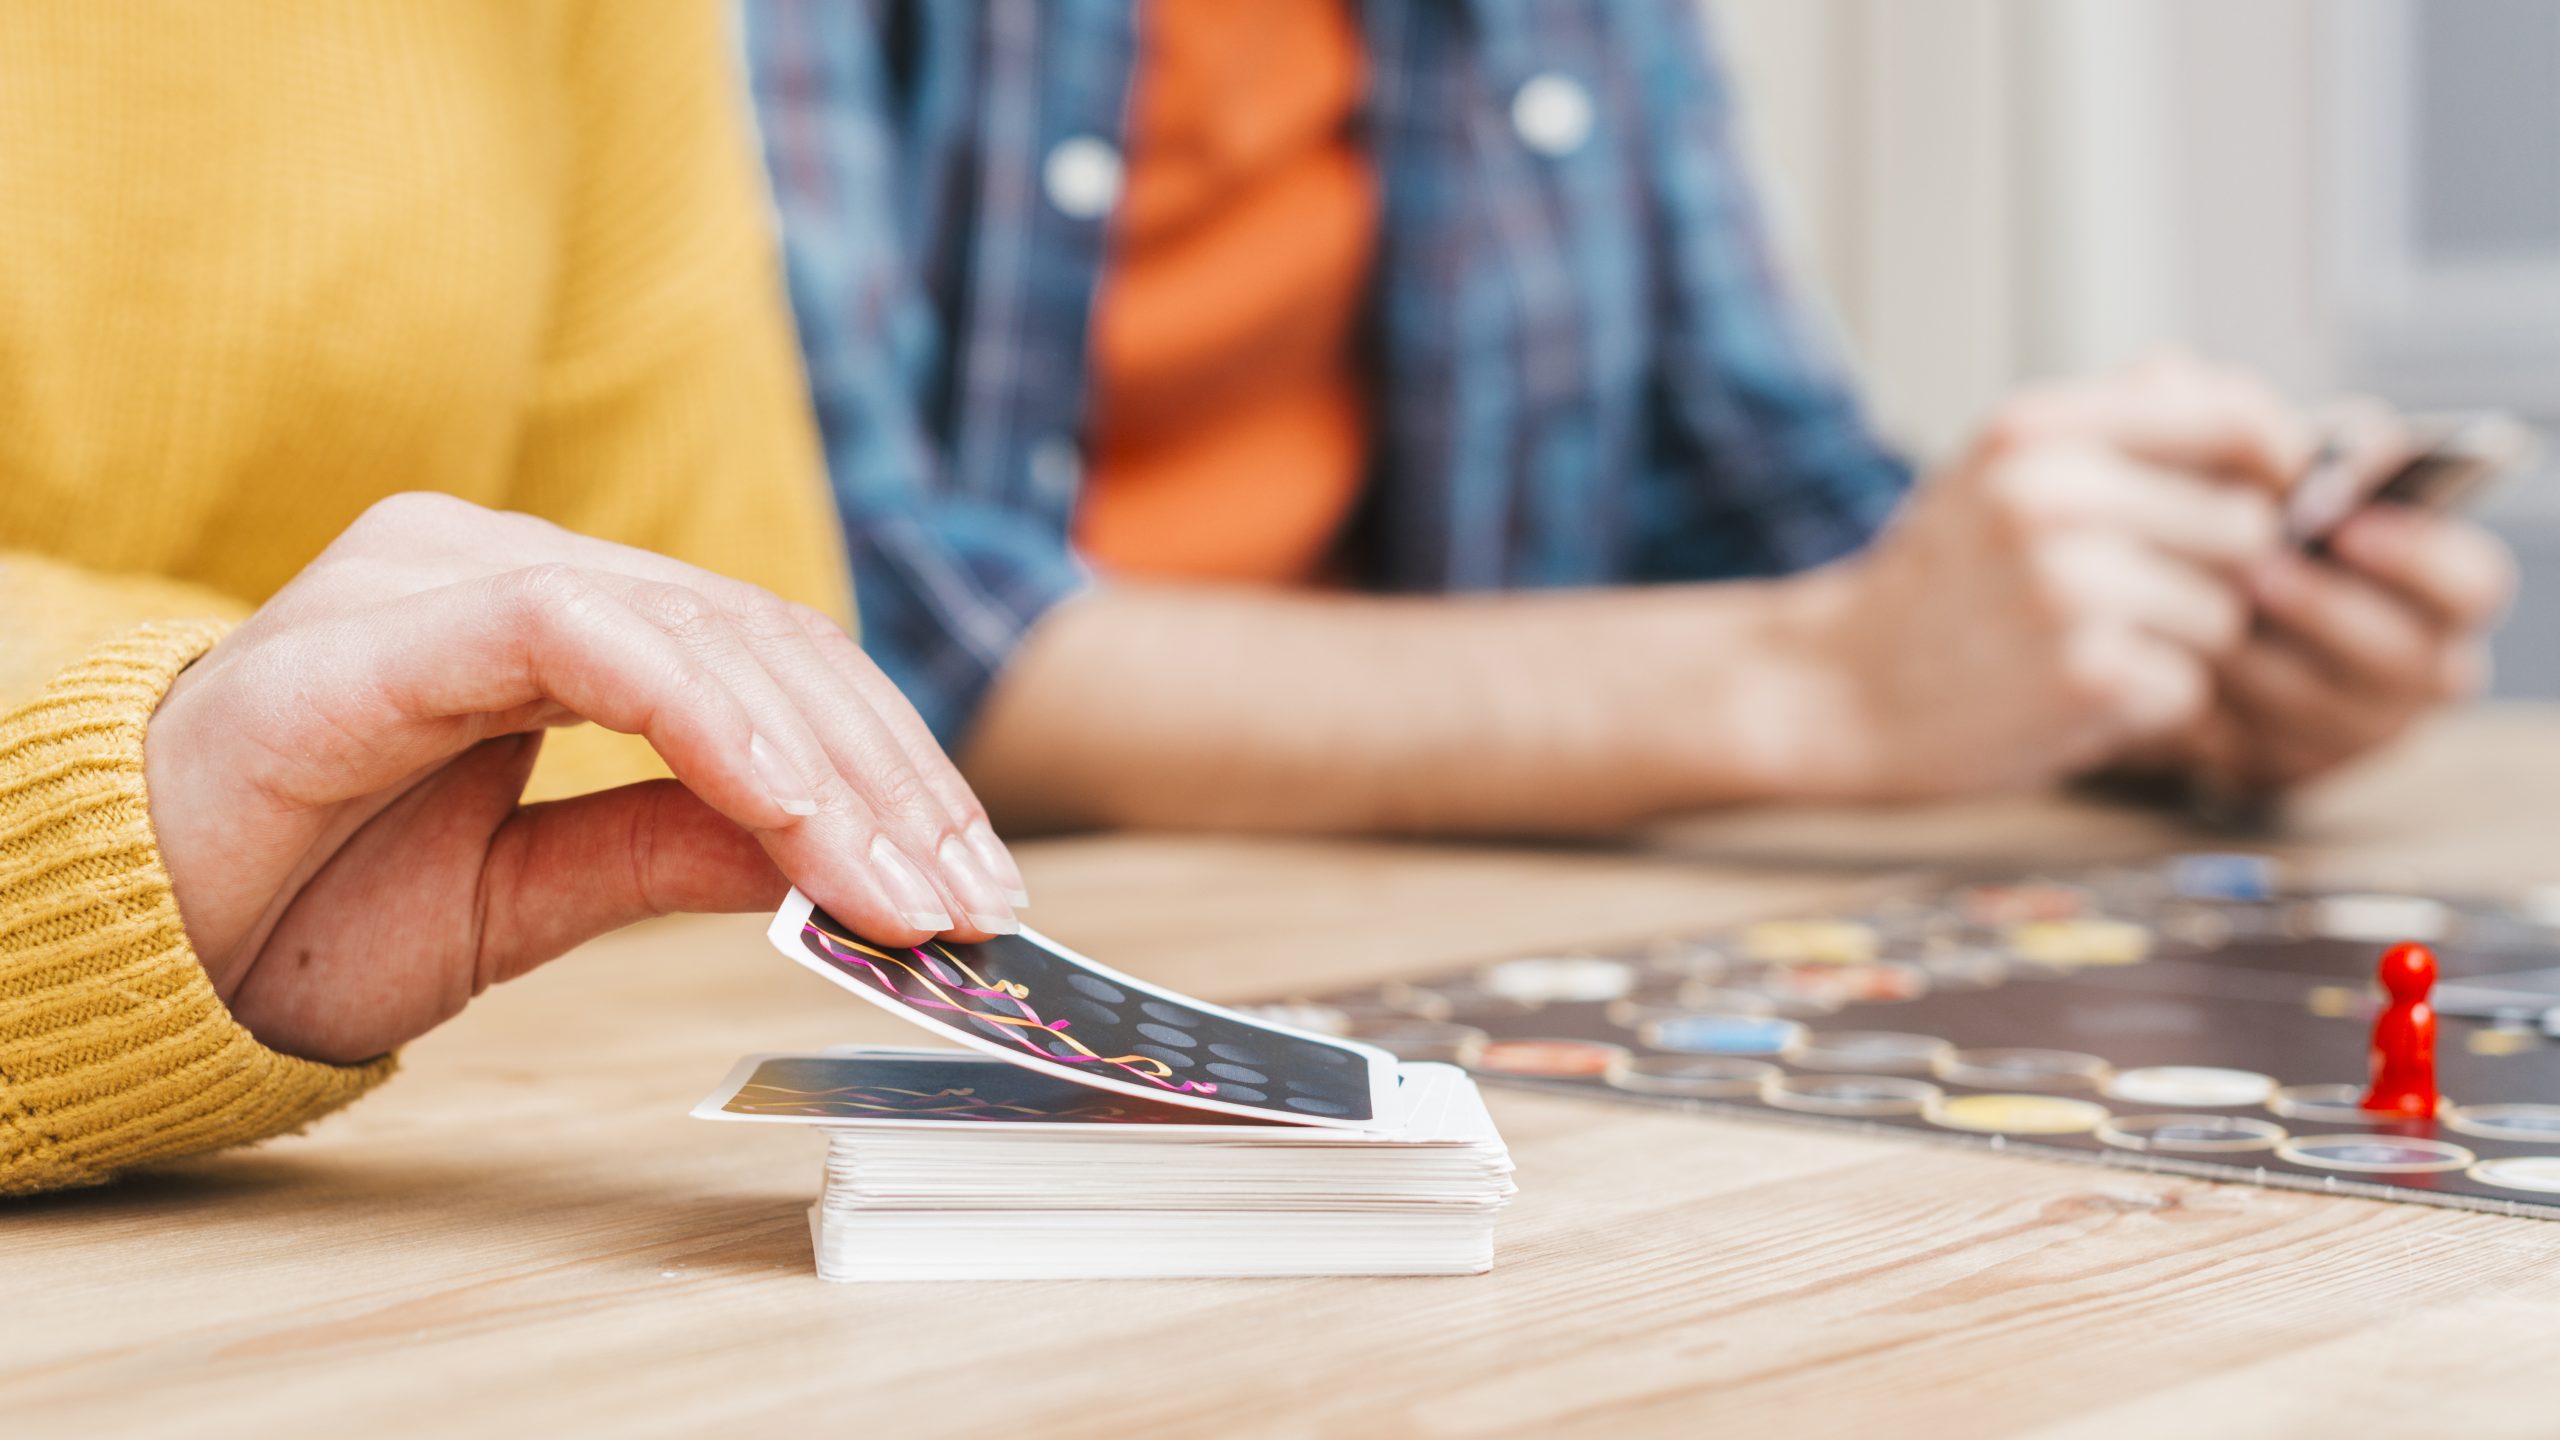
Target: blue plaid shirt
point(1585, 370)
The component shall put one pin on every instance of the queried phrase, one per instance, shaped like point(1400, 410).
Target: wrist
point(1779, 709)
point(177, 808)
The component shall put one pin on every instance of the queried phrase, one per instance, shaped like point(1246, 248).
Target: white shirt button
point(1057, 468)
point(1082, 176)
point(1552, 114)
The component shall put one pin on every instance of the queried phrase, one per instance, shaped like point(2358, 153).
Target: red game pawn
point(2404, 1036)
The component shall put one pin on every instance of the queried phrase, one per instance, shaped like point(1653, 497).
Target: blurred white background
point(2342, 194)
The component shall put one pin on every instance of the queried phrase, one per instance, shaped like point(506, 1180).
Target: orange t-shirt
point(1229, 436)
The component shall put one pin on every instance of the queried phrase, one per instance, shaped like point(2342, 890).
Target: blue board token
point(2219, 875)
point(1712, 1033)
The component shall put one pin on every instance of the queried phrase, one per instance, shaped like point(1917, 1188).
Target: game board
point(2195, 1017)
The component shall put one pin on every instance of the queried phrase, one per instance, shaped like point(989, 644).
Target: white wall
point(1990, 190)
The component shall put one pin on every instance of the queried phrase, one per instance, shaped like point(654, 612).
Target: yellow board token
point(2019, 1114)
point(1814, 942)
point(2496, 1043)
point(2080, 942)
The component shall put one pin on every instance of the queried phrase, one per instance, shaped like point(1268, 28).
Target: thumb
point(561, 873)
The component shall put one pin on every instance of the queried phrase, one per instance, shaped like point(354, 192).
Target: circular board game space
point(1877, 1052)
point(2190, 1086)
point(2070, 944)
point(1850, 1094)
point(1713, 1033)
point(1864, 982)
point(2022, 1068)
point(2367, 1154)
point(2536, 1174)
point(1706, 1077)
point(2017, 1114)
point(2021, 902)
point(1543, 979)
point(1701, 996)
point(2379, 919)
point(2191, 1134)
point(1810, 942)
point(1684, 960)
point(2521, 1123)
point(1964, 967)
point(1635, 1015)
point(1548, 1058)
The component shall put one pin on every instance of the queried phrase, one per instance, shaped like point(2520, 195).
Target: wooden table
point(525, 1235)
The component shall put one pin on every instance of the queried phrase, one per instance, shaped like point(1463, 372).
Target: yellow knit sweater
point(263, 263)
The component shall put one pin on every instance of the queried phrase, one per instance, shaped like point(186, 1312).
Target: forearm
point(1227, 708)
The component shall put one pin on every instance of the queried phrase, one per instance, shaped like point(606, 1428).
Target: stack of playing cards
point(1111, 1128)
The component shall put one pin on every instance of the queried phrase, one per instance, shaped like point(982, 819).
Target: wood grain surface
point(525, 1235)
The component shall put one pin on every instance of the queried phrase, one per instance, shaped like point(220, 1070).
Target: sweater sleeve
point(114, 1048)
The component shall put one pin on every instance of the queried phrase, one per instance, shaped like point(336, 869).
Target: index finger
point(2455, 571)
point(439, 669)
point(925, 755)
point(500, 540)
point(2214, 524)
point(2177, 414)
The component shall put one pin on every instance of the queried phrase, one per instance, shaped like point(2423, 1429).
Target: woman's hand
point(335, 784)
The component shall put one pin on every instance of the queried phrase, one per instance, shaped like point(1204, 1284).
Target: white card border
point(784, 933)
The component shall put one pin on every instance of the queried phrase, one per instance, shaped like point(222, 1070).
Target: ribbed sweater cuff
point(114, 1048)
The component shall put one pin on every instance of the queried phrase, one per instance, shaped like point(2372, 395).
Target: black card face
point(956, 1089)
point(1025, 999)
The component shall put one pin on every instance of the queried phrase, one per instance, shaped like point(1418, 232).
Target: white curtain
point(1985, 191)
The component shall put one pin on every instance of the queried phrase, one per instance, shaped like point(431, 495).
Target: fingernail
point(997, 861)
point(787, 789)
point(909, 892)
point(980, 897)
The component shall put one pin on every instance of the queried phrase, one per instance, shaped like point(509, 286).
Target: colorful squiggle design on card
point(958, 1102)
point(941, 980)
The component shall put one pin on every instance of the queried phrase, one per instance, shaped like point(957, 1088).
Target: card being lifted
point(1040, 1005)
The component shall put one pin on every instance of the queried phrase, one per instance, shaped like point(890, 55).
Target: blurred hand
point(2068, 587)
point(335, 784)
point(2350, 650)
